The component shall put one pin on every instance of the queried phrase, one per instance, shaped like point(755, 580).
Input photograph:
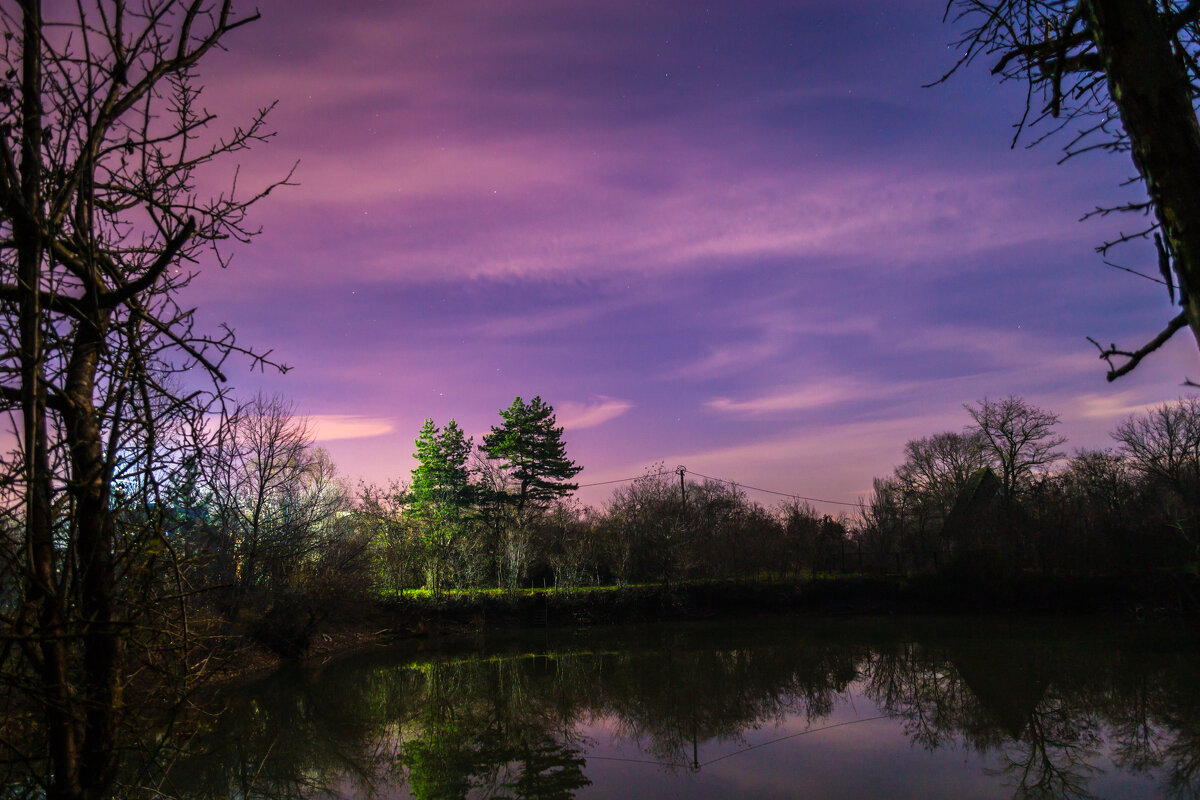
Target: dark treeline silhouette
point(263, 523)
point(1000, 497)
point(264, 532)
point(1040, 703)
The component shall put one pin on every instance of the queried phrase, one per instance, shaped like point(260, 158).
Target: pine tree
point(441, 493)
point(533, 454)
point(441, 478)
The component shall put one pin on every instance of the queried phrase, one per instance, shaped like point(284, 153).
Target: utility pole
point(682, 488)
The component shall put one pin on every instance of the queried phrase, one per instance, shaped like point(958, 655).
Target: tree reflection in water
point(1044, 708)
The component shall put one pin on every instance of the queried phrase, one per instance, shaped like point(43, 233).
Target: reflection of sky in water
point(799, 708)
point(856, 752)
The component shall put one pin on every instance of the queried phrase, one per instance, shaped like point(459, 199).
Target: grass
point(558, 591)
point(824, 593)
point(585, 605)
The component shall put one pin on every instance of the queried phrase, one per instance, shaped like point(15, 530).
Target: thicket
point(269, 527)
point(1000, 498)
point(261, 537)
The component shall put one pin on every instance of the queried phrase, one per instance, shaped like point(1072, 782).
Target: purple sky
point(739, 237)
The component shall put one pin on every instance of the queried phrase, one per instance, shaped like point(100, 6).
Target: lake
point(766, 708)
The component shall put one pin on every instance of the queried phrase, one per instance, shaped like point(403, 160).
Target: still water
point(763, 709)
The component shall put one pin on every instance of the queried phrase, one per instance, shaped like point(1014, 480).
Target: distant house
point(975, 527)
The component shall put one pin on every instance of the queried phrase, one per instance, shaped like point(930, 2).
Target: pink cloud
point(327, 427)
point(577, 416)
point(530, 213)
point(814, 394)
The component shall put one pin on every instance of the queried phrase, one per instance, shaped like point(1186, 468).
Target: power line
point(626, 480)
point(719, 480)
point(772, 491)
point(794, 736)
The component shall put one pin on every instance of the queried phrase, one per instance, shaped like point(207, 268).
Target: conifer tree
point(441, 493)
point(533, 454)
point(441, 477)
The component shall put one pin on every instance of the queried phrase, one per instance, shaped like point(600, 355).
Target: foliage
point(396, 546)
point(441, 480)
point(532, 453)
point(273, 496)
point(440, 495)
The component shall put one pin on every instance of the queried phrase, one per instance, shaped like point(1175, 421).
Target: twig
point(1135, 357)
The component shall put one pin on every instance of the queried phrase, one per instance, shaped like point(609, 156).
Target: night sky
point(739, 237)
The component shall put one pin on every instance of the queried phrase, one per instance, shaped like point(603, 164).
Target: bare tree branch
point(1107, 354)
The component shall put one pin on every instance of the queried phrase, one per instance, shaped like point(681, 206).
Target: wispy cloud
point(1111, 406)
point(813, 395)
point(577, 416)
point(327, 427)
point(726, 358)
point(471, 213)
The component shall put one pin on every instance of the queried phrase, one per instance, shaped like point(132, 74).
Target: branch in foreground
point(1135, 357)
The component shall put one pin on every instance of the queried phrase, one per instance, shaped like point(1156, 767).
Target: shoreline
point(455, 618)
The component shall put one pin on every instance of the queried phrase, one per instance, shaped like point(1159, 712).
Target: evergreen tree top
point(530, 443)
point(441, 476)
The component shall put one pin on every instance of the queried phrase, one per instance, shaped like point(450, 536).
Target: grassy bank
point(415, 616)
point(1157, 593)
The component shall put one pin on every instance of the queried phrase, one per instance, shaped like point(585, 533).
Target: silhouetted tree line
point(652, 530)
point(1002, 497)
point(261, 514)
point(262, 523)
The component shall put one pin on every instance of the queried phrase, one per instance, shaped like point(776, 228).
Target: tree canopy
point(441, 478)
point(1018, 436)
point(532, 452)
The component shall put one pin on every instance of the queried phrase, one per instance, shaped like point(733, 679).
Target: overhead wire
point(772, 491)
point(626, 480)
point(660, 473)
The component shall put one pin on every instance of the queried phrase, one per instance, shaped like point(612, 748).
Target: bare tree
point(1019, 438)
point(1121, 76)
point(937, 467)
point(882, 525)
point(273, 493)
point(396, 544)
point(1164, 444)
point(101, 134)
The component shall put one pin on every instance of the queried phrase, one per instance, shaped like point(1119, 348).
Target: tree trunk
point(43, 591)
point(1148, 83)
point(102, 646)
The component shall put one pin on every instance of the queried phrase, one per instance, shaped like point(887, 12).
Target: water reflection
point(1036, 710)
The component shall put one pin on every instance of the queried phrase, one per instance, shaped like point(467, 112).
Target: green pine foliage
point(440, 497)
point(441, 481)
point(533, 454)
